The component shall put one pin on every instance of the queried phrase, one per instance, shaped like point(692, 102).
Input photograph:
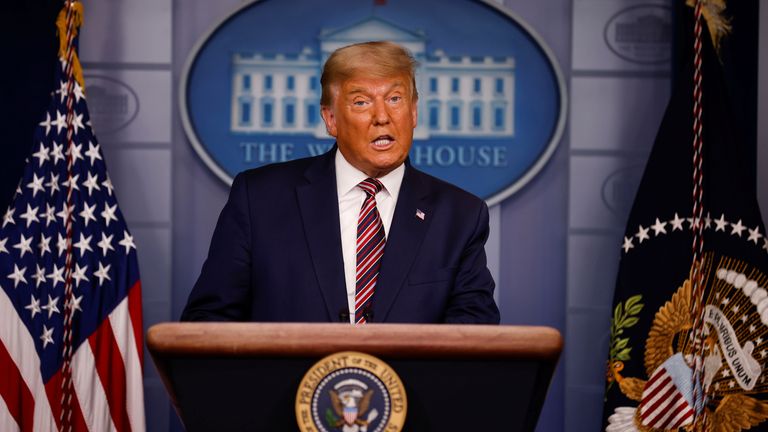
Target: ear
point(329, 119)
point(415, 113)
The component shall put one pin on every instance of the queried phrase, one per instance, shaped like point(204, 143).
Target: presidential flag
point(80, 370)
point(663, 373)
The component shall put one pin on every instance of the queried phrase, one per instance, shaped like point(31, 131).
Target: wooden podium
point(245, 376)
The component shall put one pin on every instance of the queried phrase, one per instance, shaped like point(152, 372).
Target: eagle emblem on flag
point(734, 360)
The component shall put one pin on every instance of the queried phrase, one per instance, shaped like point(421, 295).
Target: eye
point(395, 99)
point(359, 103)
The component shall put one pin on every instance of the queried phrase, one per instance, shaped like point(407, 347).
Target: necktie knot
point(371, 186)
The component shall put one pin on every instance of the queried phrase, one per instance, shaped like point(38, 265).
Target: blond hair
point(379, 59)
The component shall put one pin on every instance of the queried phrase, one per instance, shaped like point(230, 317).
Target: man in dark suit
point(357, 234)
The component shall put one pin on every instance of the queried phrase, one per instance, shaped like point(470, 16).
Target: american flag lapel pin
point(420, 214)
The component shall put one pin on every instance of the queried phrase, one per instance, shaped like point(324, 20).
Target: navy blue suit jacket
point(276, 252)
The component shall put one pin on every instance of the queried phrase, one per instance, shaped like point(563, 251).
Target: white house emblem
point(490, 114)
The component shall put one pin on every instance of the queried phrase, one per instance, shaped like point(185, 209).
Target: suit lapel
point(404, 241)
point(320, 214)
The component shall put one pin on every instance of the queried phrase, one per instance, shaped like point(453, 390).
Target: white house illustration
point(459, 96)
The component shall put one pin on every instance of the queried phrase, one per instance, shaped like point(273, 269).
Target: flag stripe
point(124, 336)
point(668, 408)
point(657, 379)
point(679, 415)
point(134, 308)
point(21, 348)
point(7, 422)
point(683, 417)
point(53, 394)
point(53, 389)
point(18, 399)
point(89, 391)
point(650, 404)
point(111, 370)
point(653, 392)
point(658, 409)
point(649, 409)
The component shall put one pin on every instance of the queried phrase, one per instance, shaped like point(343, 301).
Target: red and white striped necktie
point(370, 248)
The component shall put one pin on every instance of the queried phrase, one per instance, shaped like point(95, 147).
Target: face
point(372, 120)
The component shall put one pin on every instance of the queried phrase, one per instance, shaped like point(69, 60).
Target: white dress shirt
point(351, 200)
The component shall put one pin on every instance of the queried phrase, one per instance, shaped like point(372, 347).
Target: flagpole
point(697, 226)
point(67, 391)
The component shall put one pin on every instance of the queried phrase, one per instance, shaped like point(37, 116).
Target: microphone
point(344, 316)
point(368, 315)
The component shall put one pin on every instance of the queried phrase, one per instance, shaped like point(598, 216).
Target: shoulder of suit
point(279, 168)
point(285, 173)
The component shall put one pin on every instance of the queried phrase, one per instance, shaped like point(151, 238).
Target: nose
point(380, 113)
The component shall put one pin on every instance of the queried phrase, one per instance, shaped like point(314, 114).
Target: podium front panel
point(247, 386)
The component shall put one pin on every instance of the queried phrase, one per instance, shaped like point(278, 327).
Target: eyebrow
point(356, 90)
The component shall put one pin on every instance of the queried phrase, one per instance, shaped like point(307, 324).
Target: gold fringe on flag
point(61, 26)
point(717, 23)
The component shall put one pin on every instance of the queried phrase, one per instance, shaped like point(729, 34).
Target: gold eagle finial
point(717, 23)
point(61, 26)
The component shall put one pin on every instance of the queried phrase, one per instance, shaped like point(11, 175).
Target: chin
point(386, 166)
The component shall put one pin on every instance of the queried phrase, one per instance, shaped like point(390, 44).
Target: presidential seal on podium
point(351, 392)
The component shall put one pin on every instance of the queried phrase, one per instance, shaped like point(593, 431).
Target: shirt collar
point(348, 177)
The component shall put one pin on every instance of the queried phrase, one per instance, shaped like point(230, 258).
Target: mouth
point(383, 141)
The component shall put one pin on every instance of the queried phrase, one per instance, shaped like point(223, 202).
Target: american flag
point(106, 341)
